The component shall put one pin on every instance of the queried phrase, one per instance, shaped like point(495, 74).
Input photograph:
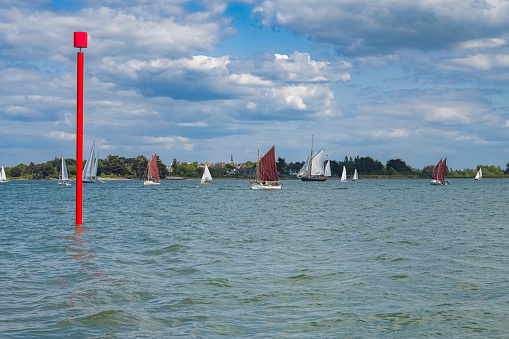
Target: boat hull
point(260, 186)
point(151, 183)
point(438, 182)
point(312, 179)
point(89, 181)
point(206, 182)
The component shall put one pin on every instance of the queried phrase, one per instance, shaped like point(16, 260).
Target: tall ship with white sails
point(316, 168)
point(90, 170)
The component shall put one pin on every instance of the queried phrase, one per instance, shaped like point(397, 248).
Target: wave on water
point(378, 259)
point(167, 249)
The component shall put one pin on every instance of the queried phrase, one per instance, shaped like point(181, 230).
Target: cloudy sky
point(200, 80)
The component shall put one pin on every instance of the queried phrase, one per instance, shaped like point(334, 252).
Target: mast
point(96, 165)
point(258, 164)
point(62, 166)
point(311, 158)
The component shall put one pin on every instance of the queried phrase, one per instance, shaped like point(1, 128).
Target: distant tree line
point(115, 166)
point(112, 166)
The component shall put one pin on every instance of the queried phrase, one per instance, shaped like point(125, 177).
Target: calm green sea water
point(366, 259)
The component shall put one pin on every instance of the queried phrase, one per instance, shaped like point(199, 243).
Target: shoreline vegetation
point(115, 167)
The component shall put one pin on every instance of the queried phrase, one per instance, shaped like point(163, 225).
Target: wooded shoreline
point(115, 167)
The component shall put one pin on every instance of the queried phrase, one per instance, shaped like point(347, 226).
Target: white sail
point(3, 177)
point(327, 169)
point(64, 175)
point(206, 175)
point(355, 175)
point(87, 171)
point(96, 164)
point(64, 178)
point(343, 175)
point(90, 170)
point(317, 166)
point(304, 171)
point(478, 176)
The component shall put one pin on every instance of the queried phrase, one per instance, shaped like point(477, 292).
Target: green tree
point(367, 165)
point(115, 164)
point(427, 171)
point(335, 167)
point(139, 166)
point(281, 165)
point(398, 165)
point(163, 171)
point(249, 164)
point(18, 170)
point(44, 171)
point(174, 166)
point(31, 168)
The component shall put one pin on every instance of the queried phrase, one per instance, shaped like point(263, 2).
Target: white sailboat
point(64, 178)
point(206, 177)
point(355, 175)
point(90, 170)
point(478, 176)
point(152, 174)
point(343, 175)
point(3, 177)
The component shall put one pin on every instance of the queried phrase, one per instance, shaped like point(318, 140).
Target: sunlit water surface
point(365, 259)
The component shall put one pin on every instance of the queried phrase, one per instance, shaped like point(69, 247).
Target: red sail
point(153, 171)
point(267, 170)
point(435, 170)
point(442, 170)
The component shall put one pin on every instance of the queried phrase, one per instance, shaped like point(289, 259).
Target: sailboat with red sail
point(266, 172)
point(438, 175)
point(151, 176)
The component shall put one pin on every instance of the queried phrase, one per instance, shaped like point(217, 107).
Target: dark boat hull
point(312, 179)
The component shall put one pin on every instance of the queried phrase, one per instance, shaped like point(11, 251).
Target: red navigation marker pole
point(80, 41)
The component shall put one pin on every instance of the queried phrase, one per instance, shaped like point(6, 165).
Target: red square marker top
point(80, 39)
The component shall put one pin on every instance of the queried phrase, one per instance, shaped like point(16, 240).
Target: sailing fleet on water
point(316, 168)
